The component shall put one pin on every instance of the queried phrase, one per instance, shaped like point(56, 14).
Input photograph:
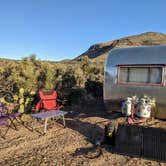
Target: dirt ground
point(65, 146)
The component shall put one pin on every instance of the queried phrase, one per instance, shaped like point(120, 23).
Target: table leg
point(64, 123)
point(45, 125)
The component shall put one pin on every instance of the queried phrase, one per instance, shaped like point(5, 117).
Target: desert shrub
point(94, 87)
point(79, 76)
point(73, 95)
point(85, 65)
point(41, 79)
point(68, 79)
point(147, 42)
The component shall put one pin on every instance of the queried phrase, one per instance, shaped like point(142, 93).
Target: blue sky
point(63, 29)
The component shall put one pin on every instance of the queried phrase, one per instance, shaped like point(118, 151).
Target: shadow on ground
point(89, 120)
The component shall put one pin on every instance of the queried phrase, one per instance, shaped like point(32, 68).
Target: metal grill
point(141, 141)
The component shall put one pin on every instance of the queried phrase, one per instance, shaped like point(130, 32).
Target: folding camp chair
point(48, 102)
point(7, 118)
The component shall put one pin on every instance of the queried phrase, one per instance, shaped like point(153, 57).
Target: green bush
point(94, 87)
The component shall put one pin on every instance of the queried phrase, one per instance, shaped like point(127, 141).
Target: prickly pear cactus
point(21, 91)
point(21, 108)
point(24, 100)
point(21, 101)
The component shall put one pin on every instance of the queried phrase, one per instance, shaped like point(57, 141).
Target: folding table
point(49, 114)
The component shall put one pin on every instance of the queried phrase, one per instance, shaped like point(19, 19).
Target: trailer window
point(141, 75)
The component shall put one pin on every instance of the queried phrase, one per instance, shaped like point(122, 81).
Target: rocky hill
point(101, 50)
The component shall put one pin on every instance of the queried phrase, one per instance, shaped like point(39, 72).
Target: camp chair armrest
point(61, 101)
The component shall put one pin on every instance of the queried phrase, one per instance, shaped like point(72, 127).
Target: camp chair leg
point(3, 135)
point(6, 131)
point(45, 125)
point(13, 123)
point(64, 123)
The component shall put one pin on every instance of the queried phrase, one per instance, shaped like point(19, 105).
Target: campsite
point(81, 141)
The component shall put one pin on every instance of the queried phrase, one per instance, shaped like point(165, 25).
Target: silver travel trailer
point(136, 71)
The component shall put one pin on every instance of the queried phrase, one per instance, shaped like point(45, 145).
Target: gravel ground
point(65, 146)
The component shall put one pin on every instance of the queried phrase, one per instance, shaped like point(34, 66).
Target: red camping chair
point(48, 102)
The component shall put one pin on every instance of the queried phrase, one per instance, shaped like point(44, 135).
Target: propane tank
point(144, 109)
point(126, 107)
point(152, 102)
point(135, 100)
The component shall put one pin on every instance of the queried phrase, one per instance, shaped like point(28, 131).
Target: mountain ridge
point(143, 39)
point(99, 51)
